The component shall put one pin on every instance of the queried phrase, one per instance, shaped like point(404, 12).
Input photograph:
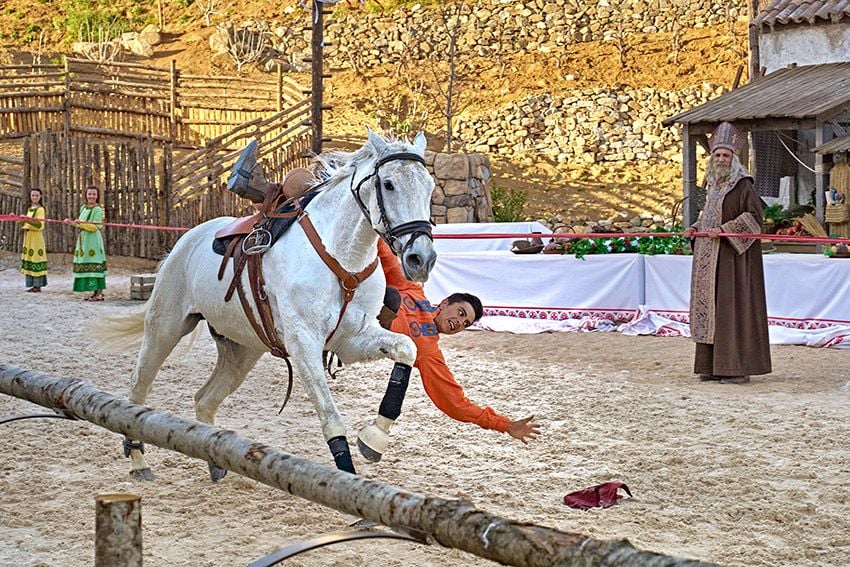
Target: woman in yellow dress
point(34, 255)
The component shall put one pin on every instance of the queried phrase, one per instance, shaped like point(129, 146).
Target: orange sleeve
point(448, 396)
point(389, 263)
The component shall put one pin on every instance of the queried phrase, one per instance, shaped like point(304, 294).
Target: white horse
point(389, 182)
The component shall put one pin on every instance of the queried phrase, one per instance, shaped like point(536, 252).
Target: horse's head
point(396, 197)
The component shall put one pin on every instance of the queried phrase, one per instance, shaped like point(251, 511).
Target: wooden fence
point(159, 142)
point(138, 176)
point(131, 98)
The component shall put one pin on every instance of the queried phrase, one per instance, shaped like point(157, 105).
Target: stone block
point(460, 214)
point(451, 166)
point(454, 187)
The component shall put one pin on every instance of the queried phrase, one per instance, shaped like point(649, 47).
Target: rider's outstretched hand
point(524, 429)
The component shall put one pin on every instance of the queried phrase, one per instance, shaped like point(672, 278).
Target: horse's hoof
point(143, 474)
point(372, 442)
point(367, 452)
point(216, 473)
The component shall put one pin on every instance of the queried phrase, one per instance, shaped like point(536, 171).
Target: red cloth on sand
point(599, 496)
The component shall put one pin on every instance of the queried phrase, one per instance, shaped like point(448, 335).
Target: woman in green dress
point(89, 253)
point(34, 255)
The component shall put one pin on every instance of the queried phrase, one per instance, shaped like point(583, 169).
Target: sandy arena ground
point(753, 475)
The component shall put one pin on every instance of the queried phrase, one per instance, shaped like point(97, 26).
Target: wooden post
point(279, 87)
point(317, 43)
point(66, 103)
point(822, 135)
point(173, 102)
point(753, 40)
point(25, 169)
point(689, 176)
point(118, 530)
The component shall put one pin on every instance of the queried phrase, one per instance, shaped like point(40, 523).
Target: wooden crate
point(141, 286)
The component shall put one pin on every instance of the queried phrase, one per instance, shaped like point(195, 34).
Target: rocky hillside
point(565, 98)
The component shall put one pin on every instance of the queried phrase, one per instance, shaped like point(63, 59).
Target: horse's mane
point(333, 166)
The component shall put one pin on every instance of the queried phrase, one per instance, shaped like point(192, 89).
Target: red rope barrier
point(572, 236)
point(18, 218)
point(504, 235)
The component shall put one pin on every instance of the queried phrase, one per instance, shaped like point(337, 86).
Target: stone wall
point(612, 124)
point(462, 192)
point(494, 27)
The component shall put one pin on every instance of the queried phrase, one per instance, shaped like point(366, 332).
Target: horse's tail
point(119, 332)
point(122, 332)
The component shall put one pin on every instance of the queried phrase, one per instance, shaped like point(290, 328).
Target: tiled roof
point(781, 12)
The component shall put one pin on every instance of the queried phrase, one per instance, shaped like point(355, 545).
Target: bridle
point(391, 234)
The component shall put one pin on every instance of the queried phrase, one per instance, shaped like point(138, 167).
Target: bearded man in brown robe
point(728, 313)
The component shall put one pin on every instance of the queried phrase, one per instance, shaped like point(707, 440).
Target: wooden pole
point(451, 523)
point(173, 102)
point(118, 530)
point(279, 87)
point(689, 176)
point(823, 134)
point(753, 40)
point(316, 56)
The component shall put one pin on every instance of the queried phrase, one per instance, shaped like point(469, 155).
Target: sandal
point(97, 298)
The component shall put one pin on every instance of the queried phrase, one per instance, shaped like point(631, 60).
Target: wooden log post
point(316, 60)
point(753, 34)
point(118, 530)
point(451, 523)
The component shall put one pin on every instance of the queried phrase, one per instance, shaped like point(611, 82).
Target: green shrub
point(508, 204)
point(86, 19)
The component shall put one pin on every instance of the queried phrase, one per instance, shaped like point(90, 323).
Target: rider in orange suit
point(423, 322)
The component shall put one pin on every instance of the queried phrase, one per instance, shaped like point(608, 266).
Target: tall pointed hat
point(729, 137)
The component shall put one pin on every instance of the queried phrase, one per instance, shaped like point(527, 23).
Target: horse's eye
point(388, 185)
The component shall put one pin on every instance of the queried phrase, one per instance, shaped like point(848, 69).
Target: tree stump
point(118, 530)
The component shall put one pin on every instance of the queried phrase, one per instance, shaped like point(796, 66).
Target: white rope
point(793, 155)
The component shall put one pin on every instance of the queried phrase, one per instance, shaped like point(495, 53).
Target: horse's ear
point(419, 143)
point(377, 142)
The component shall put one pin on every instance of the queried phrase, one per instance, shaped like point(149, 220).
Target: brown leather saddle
point(295, 184)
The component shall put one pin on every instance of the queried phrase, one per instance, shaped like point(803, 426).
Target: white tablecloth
point(443, 245)
point(542, 287)
point(808, 296)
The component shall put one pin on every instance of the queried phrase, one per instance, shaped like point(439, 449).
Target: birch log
point(451, 523)
point(118, 530)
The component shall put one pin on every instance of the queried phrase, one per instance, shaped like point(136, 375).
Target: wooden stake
point(118, 530)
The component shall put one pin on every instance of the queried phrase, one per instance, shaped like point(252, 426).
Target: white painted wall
point(804, 44)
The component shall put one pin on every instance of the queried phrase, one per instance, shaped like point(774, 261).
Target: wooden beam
point(452, 523)
point(753, 40)
point(823, 134)
point(689, 176)
point(316, 58)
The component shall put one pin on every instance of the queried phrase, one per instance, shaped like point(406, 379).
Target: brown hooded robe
point(728, 309)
